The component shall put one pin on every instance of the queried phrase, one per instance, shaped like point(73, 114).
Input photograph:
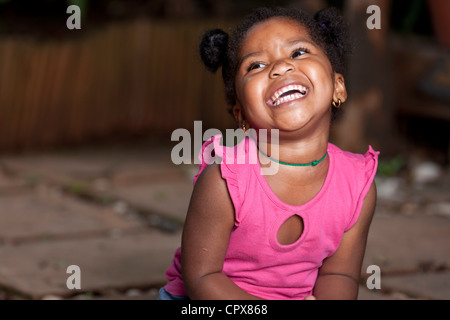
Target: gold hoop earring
point(336, 104)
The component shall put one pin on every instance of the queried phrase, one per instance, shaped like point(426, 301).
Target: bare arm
point(206, 234)
point(339, 275)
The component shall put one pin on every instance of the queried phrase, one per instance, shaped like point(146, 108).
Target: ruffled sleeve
point(368, 168)
point(211, 152)
point(230, 165)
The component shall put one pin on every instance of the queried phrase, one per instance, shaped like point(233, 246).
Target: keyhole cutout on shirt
point(291, 230)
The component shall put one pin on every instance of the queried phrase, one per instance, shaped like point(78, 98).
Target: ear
point(340, 92)
point(238, 113)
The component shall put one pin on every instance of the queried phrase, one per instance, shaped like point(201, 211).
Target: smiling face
point(284, 80)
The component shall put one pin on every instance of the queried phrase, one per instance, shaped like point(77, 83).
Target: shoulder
point(370, 156)
point(210, 200)
point(226, 181)
point(356, 173)
point(210, 181)
point(361, 168)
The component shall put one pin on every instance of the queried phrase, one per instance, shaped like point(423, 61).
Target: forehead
point(273, 29)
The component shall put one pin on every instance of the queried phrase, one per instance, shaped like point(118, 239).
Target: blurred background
point(131, 76)
point(133, 71)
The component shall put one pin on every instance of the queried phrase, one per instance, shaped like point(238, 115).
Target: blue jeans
point(164, 295)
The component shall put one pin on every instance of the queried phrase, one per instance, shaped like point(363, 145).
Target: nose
point(280, 68)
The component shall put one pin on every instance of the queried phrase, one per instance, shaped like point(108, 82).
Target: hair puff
point(213, 47)
point(335, 31)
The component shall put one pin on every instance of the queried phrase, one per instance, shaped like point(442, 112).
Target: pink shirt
point(255, 260)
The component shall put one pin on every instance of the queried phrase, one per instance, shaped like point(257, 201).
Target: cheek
point(240, 90)
point(322, 80)
point(249, 91)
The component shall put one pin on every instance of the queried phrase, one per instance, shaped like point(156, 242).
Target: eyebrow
point(289, 43)
point(249, 55)
point(293, 42)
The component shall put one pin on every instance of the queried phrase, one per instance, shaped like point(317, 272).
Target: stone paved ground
point(117, 213)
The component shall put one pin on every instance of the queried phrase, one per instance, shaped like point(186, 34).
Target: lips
point(288, 93)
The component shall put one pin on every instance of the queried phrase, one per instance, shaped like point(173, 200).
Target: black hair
point(326, 28)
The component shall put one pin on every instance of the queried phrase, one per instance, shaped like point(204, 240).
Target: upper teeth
point(280, 91)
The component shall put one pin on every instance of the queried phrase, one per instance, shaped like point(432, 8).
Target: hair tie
point(323, 26)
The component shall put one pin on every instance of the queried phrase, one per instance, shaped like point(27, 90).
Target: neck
point(300, 151)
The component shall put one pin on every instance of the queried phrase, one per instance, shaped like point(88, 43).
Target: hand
point(310, 298)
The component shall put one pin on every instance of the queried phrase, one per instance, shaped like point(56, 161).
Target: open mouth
point(288, 93)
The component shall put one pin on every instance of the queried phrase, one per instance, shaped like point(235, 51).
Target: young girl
point(301, 232)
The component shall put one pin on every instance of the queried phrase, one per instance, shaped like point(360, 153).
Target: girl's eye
point(255, 65)
point(299, 52)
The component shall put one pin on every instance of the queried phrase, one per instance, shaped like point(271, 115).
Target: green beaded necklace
point(314, 163)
